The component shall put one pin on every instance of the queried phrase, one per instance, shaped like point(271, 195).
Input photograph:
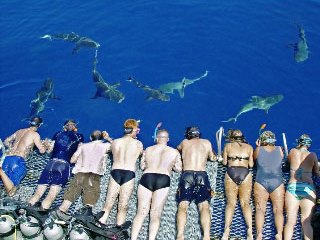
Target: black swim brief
point(155, 181)
point(122, 176)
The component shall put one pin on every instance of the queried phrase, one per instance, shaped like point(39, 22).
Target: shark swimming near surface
point(37, 105)
point(152, 92)
point(80, 42)
point(180, 86)
point(105, 90)
point(256, 102)
point(301, 52)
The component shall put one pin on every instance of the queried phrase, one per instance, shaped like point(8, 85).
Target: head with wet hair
point(192, 132)
point(235, 135)
point(304, 140)
point(36, 121)
point(268, 138)
point(70, 125)
point(130, 125)
point(96, 135)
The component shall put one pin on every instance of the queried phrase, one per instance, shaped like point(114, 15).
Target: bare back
point(22, 142)
point(302, 165)
point(126, 151)
point(195, 153)
point(162, 159)
point(241, 154)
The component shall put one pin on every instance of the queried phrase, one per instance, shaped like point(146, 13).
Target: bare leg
point(244, 195)
point(65, 206)
point(261, 197)
point(8, 184)
point(182, 219)
point(112, 194)
point(124, 197)
point(159, 199)
point(205, 219)
point(231, 191)
point(307, 206)
point(144, 201)
point(38, 194)
point(51, 196)
point(292, 207)
point(277, 198)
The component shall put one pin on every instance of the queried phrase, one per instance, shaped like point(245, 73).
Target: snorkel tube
point(156, 131)
point(219, 135)
point(285, 145)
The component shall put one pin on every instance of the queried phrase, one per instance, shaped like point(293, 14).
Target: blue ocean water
point(243, 45)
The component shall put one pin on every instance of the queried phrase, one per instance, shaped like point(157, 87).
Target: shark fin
point(181, 92)
point(230, 119)
point(149, 98)
point(267, 110)
point(52, 96)
point(115, 85)
point(255, 99)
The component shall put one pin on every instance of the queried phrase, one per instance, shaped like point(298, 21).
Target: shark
point(80, 42)
point(152, 92)
point(45, 93)
point(257, 102)
point(180, 86)
point(105, 90)
point(301, 52)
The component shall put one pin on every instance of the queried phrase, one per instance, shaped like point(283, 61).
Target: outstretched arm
point(178, 163)
point(8, 142)
point(39, 144)
point(143, 163)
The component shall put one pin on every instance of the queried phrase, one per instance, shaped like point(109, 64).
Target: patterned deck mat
point(167, 230)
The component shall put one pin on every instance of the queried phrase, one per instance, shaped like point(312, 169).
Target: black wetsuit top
point(66, 143)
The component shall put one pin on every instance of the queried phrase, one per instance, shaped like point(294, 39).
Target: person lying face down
point(125, 151)
point(89, 166)
point(194, 182)
point(20, 144)
point(157, 163)
point(58, 169)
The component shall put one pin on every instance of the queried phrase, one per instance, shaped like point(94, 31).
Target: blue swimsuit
point(269, 172)
point(57, 170)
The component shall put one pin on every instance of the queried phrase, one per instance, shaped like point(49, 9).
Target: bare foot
point(12, 192)
point(226, 234)
point(249, 234)
point(259, 236)
point(278, 237)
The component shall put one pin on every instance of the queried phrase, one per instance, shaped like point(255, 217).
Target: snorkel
point(263, 126)
point(284, 139)
point(219, 135)
point(156, 131)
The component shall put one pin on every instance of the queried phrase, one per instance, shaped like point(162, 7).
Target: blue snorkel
point(156, 131)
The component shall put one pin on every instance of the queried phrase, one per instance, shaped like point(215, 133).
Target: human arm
point(8, 142)
point(143, 162)
point(76, 155)
point(250, 157)
point(211, 154)
point(106, 136)
point(177, 163)
point(256, 153)
point(39, 144)
point(225, 155)
point(316, 165)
